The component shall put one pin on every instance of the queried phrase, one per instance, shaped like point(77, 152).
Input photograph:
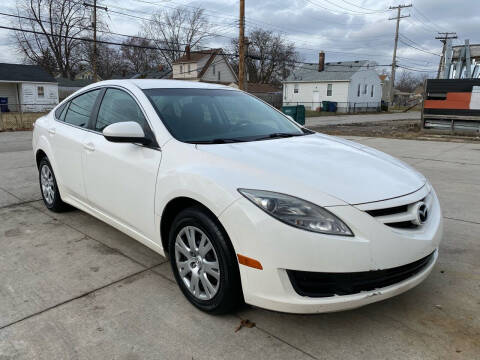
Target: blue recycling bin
point(3, 104)
point(332, 106)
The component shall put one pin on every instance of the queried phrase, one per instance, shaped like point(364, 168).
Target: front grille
point(315, 284)
point(400, 217)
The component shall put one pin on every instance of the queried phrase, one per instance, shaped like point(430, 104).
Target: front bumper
point(280, 247)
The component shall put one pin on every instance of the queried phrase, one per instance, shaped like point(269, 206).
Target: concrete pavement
point(72, 287)
point(359, 118)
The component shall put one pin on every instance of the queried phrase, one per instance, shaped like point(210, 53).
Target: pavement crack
point(78, 297)
point(466, 221)
point(280, 339)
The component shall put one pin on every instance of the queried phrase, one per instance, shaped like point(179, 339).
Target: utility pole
point(443, 37)
point(94, 25)
point(241, 47)
point(394, 60)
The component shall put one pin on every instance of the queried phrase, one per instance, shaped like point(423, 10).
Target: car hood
point(303, 165)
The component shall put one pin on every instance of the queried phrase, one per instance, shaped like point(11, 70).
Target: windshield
point(218, 116)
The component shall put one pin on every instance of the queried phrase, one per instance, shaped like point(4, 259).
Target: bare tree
point(56, 24)
point(139, 58)
point(109, 59)
point(172, 29)
point(270, 59)
point(408, 81)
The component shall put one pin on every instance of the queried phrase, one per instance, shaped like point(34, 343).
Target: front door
point(120, 178)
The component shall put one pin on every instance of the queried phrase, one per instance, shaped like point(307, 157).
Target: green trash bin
point(297, 112)
point(325, 105)
point(300, 114)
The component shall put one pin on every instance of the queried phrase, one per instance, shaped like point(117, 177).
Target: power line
point(360, 7)
point(418, 48)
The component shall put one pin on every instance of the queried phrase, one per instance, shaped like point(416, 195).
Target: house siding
point(32, 102)
point(306, 90)
point(362, 78)
point(184, 74)
point(226, 75)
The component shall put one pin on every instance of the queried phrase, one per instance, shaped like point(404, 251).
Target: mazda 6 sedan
point(247, 205)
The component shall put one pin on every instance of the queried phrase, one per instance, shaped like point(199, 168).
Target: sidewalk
point(353, 119)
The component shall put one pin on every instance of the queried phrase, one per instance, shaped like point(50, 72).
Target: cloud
point(344, 31)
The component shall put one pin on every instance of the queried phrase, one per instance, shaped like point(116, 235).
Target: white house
point(26, 88)
point(206, 65)
point(351, 84)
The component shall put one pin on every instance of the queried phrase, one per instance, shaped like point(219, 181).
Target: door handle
point(89, 147)
point(51, 131)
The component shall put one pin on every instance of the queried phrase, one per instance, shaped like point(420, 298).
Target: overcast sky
point(344, 29)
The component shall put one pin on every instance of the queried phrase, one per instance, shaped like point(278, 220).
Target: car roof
point(164, 84)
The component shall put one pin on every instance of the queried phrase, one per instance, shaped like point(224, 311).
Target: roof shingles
point(336, 71)
point(24, 73)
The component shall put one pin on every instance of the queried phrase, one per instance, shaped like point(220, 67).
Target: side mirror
point(125, 132)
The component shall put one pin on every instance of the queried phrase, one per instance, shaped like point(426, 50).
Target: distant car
point(248, 205)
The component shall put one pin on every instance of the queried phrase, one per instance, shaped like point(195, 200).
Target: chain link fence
point(21, 116)
point(341, 107)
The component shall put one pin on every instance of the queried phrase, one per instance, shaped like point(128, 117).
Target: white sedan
point(248, 205)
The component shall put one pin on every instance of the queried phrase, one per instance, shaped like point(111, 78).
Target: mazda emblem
point(421, 213)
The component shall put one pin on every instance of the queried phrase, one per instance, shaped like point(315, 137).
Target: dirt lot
point(72, 287)
point(400, 129)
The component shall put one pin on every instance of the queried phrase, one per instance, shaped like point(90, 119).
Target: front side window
point(80, 109)
point(118, 106)
point(204, 115)
point(329, 89)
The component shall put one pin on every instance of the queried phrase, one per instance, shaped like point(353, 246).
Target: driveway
point(72, 287)
point(357, 119)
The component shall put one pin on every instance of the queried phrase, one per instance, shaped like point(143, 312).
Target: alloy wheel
point(47, 183)
point(197, 263)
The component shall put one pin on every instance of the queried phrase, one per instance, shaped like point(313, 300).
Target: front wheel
point(203, 262)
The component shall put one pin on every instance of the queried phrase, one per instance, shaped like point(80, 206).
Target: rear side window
point(80, 109)
point(118, 106)
point(58, 112)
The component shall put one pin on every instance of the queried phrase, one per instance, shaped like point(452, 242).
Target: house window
point(218, 76)
point(358, 91)
point(295, 89)
point(40, 91)
point(371, 92)
point(181, 69)
point(213, 69)
point(329, 89)
point(188, 68)
point(365, 89)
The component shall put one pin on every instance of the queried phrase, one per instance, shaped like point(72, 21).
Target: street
point(72, 287)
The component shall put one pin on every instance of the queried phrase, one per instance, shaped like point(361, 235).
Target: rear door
point(67, 136)
point(120, 178)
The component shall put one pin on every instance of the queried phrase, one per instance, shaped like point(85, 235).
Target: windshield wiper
point(216, 141)
point(278, 135)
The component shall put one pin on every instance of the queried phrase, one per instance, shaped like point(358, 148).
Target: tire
point(210, 295)
point(49, 189)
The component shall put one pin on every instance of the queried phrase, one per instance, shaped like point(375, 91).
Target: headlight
point(297, 212)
